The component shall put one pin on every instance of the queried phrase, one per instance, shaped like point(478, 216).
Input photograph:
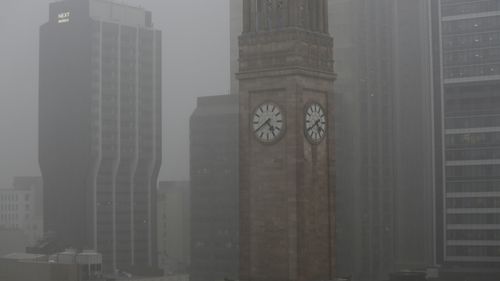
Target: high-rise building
point(100, 129)
point(382, 134)
point(383, 129)
point(173, 226)
point(467, 137)
point(214, 189)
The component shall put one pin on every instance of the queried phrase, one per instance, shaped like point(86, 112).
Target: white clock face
point(268, 122)
point(315, 123)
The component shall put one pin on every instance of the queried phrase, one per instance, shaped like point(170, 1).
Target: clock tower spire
point(287, 194)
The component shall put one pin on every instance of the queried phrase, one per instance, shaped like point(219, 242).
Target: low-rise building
point(178, 277)
point(21, 207)
point(66, 266)
point(173, 226)
point(12, 240)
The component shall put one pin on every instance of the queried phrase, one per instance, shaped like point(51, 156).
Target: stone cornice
point(287, 48)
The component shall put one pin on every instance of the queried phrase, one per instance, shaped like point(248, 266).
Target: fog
point(195, 48)
point(362, 139)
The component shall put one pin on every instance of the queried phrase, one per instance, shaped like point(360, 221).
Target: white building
point(21, 207)
point(174, 227)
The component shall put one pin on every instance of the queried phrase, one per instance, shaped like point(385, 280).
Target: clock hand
point(314, 125)
point(319, 128)
point(272, 128)
point(265, 123)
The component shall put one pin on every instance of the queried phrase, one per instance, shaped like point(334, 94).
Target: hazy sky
point(195, 63)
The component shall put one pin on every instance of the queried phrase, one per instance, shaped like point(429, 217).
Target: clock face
point(268, 122)
point(315, 123)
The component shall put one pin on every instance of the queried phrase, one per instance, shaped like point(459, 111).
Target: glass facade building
point(468, 145)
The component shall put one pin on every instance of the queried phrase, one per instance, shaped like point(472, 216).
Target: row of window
point(9, 197)
point(472, 122)
point(473, 234)
point(485, 202)
point(479, 171)
point(473, 219)
point(9, 217)
point(12, 207)
point(26, 217)
point(474, 251)
point(489, 90)
point(110, 92)
point(473, 154)
point(474, 56)
point(11, 225)
point(473, 139)
point(128, 34)
point(127, 108)
point(471, 71)
point(473, 186)
point(471, 25)
point(453, 7)
point(460, 105)
point(469, 41)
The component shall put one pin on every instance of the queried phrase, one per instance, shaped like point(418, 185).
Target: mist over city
point(197, 48)
point(250, 140)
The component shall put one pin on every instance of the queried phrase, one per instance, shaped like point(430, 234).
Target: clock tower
point(287, 194)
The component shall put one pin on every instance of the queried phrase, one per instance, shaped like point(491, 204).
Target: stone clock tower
point(287, 217)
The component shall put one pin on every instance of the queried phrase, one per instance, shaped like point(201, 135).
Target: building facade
point(384, 136)
point(65, 266)
point(467, 110)
point(100, 129)
point(214, 189)
point(21, 207)
point(173, 227)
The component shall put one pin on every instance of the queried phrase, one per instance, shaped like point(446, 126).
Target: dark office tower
point(384, 184)
point(383, 141)
point(467, 118)
point(214, 189)
point(100, 129)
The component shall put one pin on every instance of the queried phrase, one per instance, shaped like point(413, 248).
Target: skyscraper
point(100, 129)
point(467, 143)
point(214, 189)
point(383, 129)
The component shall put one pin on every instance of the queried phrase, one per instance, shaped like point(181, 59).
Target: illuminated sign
point(63, 17)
